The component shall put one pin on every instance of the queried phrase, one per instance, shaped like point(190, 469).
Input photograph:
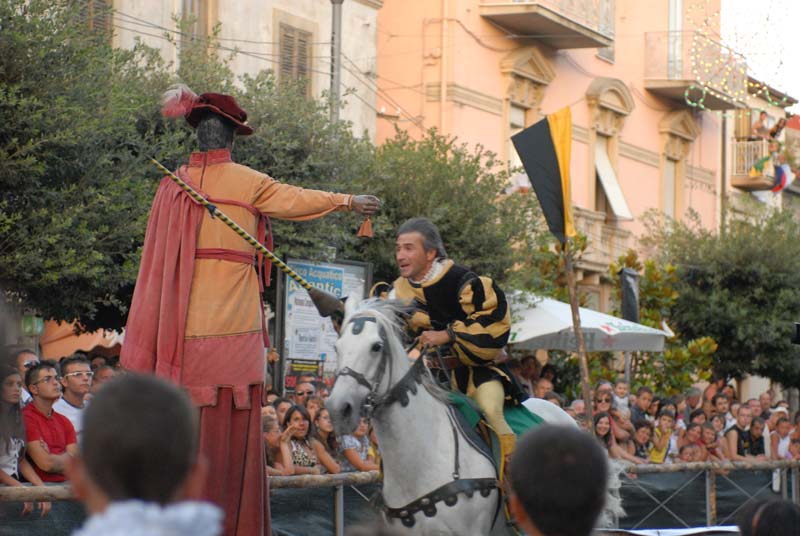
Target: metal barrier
point(789, 471)
point(789, 475)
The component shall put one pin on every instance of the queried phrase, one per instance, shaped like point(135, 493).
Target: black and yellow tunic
point(474, 311)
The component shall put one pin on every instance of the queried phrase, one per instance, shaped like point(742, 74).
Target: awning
point(59, 340)
point(608, 178)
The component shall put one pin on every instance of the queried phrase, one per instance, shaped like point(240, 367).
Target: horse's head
point(366, 366)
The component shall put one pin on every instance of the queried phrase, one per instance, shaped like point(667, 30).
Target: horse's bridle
point(396, 393)
point(447, 493)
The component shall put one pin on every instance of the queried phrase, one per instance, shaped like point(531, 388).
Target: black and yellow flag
point(544, 149)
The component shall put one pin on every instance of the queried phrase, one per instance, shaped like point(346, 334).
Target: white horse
point(435, 480)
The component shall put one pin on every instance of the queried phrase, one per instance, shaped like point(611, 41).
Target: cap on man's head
point(180, 101)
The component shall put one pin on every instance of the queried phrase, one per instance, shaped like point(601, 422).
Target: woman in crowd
point(712, 443)
point(654, 409)
point(718, 421)
point(13, 464)
point(640, 445)
point(780, 439)
point(297, 424)
point(277, 451)
point(282, 405)
point(693, 436)
point(325, 444)
point(355, 450)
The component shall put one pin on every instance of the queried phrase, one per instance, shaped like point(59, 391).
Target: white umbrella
point(547, 323)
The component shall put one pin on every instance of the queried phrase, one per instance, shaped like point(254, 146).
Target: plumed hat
point(180, 101)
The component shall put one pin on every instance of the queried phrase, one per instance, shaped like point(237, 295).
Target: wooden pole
point(576, 327)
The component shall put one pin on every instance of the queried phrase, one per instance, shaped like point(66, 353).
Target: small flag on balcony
point(758, 168)
point(783, 177)
point(544, 149)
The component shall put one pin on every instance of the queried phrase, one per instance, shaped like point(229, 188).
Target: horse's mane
point(391, 315)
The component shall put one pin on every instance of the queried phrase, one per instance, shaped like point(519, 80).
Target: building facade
point(291, 37)
point(648, 84)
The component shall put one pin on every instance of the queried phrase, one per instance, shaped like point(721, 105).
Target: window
point(97, 14)
point(516, 125)
point(195, 13)
point(611, 192)
point(668, 186)
point(295, 55)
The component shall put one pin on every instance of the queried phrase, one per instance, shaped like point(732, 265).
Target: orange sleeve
point(288, 202)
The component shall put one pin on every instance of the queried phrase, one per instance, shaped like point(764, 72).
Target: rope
point(214, 211)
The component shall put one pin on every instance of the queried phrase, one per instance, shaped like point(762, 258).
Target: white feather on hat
point(178, 101)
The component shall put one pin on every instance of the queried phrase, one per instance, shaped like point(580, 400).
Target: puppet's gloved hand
point(365, 204)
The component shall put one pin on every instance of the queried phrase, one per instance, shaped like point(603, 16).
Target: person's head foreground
point(770, 518)
point(559, 478)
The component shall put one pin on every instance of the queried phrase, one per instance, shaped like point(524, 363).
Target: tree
point(80, 121)
point(76, 115)
point(739, 287)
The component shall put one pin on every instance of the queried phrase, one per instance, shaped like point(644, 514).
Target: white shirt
point(137, 518)
point(75, 415)
point(9, 460)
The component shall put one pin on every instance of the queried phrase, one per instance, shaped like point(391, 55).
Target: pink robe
point(196, 317)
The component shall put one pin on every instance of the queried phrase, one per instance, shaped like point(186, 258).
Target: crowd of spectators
point(299, 438)
point(42, 404)
point(646, 427)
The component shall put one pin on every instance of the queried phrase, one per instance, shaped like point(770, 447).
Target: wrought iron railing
point(747, 153)
point(694, 57)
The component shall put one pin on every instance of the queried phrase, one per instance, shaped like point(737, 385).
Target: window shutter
point(295, 54)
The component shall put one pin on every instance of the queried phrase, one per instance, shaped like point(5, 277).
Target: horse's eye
point(377, 346)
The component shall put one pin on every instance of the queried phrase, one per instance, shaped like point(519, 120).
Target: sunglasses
point(304, 393)
point(79, 374)
point(603, 400)
point(29, 364)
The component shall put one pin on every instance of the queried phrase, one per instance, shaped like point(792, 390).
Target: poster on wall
point(306, 335)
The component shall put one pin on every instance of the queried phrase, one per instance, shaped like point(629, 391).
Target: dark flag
point(544, 149)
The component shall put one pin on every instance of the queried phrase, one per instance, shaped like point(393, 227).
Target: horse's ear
point(350, 306)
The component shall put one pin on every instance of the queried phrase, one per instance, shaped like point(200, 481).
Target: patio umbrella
point(546, 323)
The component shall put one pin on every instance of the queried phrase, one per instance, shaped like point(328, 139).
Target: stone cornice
point(640, 154)
point(377, 4)
point(465, 96)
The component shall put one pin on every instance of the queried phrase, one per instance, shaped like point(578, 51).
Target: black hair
point(717, 397)
point(215, 132)
point(280, 400)
point(571, 457)
point(642, 424)
point(643, 390)
point(696, 413)
point(431, 239)
point(331, 443)
point(606, 439)
point(32, 374)
point(11, 422)
point(666, 413)
point(140, 439)
point(64, 364)
point(770, 517)
point(297, 408)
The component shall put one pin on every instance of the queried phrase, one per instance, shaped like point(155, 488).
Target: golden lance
point(326, 303)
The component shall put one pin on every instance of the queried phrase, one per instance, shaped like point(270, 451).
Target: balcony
point(560, 24)
point(605, 243)
point(745, 155)
point(690, 68)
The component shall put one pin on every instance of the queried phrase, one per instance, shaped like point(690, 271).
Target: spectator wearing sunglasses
point(50, 437)
point(303, 392)
point(76, 382)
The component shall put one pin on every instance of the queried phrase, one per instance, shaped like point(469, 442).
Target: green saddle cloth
point(518, 417)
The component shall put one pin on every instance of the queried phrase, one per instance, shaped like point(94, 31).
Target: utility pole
point(336, 59)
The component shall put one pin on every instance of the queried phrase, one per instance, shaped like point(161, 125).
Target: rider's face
point(412, 258)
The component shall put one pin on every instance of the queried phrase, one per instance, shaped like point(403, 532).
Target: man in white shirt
point(76, 381)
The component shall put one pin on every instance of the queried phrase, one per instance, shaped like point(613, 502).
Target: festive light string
point(718, 69)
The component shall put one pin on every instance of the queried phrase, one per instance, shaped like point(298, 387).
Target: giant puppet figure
point(197, 316)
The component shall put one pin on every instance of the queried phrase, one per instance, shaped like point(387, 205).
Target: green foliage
point(738, 287)
point(79, 120)
point(73, 114)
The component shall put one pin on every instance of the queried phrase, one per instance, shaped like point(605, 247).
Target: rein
point(399, 393)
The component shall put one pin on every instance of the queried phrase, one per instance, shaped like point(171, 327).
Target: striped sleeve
point(480, 337)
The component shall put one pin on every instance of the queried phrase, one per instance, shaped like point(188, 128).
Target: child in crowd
point(138, 463)
point(621, 392)
point(662, 437)
point(355, 450)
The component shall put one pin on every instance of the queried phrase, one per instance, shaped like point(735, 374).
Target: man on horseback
point(463, 316)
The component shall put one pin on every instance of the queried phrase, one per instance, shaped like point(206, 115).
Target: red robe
point(196, 317)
